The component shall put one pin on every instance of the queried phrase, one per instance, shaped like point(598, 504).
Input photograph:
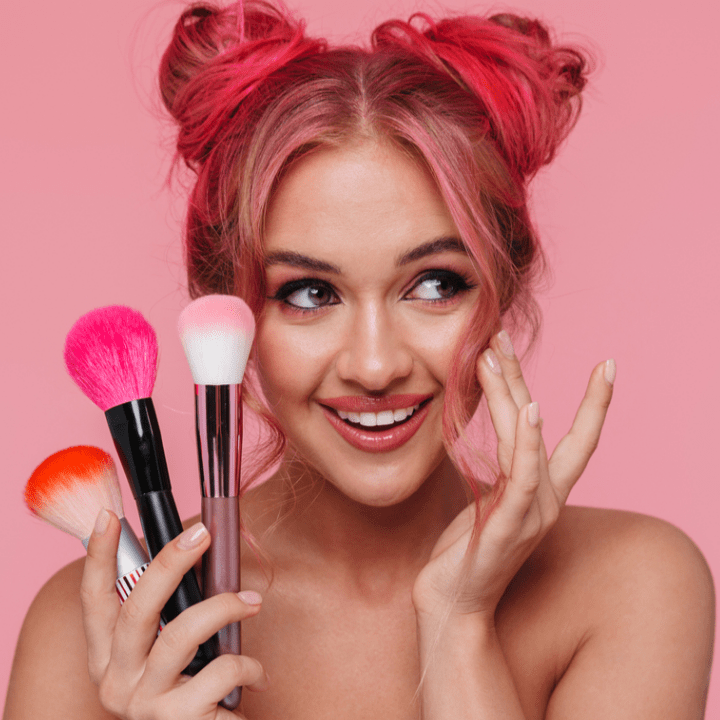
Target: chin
point(376, 480)
point(378, 492)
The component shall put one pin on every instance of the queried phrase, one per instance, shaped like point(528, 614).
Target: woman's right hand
point(139, 674)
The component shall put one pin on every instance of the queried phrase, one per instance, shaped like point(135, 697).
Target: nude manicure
point(250, 597)
point(506, 344)
point(101, 522)
point(192, 537)
point(492, 360)
point(533, 415)
point(610, 370)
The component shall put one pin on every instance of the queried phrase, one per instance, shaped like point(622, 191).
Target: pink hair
point(483, 103)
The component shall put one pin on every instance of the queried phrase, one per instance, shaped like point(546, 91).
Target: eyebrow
point(294, 259)
point(442, 244)
point(298, 260)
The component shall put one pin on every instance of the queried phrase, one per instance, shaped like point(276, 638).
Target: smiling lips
point(377, 424)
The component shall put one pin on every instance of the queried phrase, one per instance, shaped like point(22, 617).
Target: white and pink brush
point(68, 490)
point(111, 353)
point(217, 332)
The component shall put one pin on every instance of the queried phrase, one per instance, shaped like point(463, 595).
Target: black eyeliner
point(289, 288)
point(461, 282)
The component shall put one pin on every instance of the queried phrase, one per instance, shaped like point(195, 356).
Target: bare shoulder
point(630, 552)
point(49, 677)
point(643, 598)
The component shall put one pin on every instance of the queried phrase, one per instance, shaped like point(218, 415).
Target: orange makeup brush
point(68, 490)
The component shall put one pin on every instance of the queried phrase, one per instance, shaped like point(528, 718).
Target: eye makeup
point(310, 294)
point(447, 284)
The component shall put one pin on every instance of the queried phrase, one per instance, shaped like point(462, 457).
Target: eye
point(439, 285)
point(307, 294)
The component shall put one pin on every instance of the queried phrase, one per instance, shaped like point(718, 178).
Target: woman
point(371, 208)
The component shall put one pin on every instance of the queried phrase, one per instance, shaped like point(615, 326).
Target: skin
point(553, 612)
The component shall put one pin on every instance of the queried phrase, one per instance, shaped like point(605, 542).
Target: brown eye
point(307, 294)
point(438, 285)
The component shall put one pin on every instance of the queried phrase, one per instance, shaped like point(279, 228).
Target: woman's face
point(369, 289)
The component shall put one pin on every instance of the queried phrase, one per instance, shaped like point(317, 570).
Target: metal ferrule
point(131, 554)
point(218, 428)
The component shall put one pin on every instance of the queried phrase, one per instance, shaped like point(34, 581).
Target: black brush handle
point(136, 433)
point(161, 523)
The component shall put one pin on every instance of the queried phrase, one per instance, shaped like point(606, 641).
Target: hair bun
point(527, 87)
point(215, 59)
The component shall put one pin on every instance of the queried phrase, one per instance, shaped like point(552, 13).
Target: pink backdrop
point(626, 214)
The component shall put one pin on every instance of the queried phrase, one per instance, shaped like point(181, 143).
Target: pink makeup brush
point(111, 353)
point(68, 490)
point(216, 332)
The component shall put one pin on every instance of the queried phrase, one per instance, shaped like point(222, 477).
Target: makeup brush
point(217, 332)
point(111, 353)
point(68, 490)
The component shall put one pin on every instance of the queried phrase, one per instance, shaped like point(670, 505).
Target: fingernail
point(493, 362)
point(506, 344)
point(533, 415)
point(192, 537)
point(101, 522)
point(250, 597)
point(610, 370)
point(262, 684)
point(266, 682)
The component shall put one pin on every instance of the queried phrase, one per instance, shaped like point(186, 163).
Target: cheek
point(291, 361)
point(436, 341)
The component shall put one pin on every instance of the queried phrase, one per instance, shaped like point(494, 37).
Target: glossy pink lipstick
point(376, 439)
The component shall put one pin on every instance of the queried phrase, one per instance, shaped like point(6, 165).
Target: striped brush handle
point(132, 561)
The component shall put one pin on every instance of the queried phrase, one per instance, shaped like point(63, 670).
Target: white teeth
point(385, 417)
point(351, 416)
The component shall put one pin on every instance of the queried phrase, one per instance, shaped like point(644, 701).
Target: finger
point(219, 678)
point(526, 475)
point(97, 592)
point(503, 347)
point(140, 615)
point(547, 499)
point(200, 695)
point(502, 407)
point(574, 451)
point(178, 642)
point(511, 368)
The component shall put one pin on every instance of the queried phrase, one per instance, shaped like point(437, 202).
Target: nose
point(373, 354)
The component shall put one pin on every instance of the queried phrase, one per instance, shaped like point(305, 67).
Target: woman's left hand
point(470, 575)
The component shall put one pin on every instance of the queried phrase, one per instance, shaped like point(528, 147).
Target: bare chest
point(355, 663)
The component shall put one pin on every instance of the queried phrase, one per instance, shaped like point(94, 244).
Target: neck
point(311, 522)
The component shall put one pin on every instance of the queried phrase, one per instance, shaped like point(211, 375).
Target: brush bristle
point(217, 332)
point(111, 354)
point(69, 488)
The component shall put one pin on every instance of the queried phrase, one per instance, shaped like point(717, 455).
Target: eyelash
point(461, 285)
point(294, 286)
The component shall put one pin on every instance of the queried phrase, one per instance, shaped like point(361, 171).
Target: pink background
point(625, 212)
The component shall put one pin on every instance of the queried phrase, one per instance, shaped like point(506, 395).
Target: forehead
point(370, 196)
